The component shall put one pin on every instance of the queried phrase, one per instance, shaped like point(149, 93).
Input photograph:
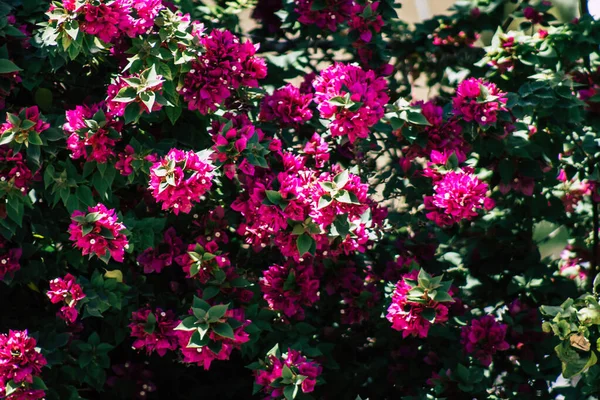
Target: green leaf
point(318, 5)
point(188, 324)
point(210, 292)
point(290, 282)
point(224, 330)
point(217, 312)
point(441, 296)
point(424, 278)
point(274, 351)
point(462, 373)
point(34, 138)
point(7, 66)
point(341, 225)
point(197, 340)
point(72, 28)
point(341, 179)
point(346, 197)
point(5, 139)
point(239, 283)
point(199, 303)
point(132, 113)
point(215, 346)
point(194, 269)
point(286, 372)
point(274, 197)
point(290, 392)
point(150, 324)
point(148, 98)
point(202, 329)
point(572, 362)
point(416, 118)
point(429, 314)
point(43, 98)
point(304, 243)
point(173, 113)
point(84, 194)
point(38, 384)
point(127, 94)
point(53, 134)
point(324, 201)
point(11, 387)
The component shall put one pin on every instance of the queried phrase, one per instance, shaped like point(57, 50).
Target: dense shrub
point(192, 210)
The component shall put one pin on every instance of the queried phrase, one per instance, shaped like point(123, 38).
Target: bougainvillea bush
point(247, 199)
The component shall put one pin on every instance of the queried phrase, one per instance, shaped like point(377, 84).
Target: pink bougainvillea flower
point(20, 360)
point(204, 356)
point(180, 179)
point(225, 65)
point(66, 290)
point(290, 288)
point(479, 101)
point(458, 196)
point(483, 338)
point(351, 98)
point(406, 315)
point(98, 232)
point(286, 105)
point(154, 330)
point(300, 367)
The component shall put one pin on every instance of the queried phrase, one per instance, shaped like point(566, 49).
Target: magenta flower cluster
point(317, 149)
point(21, 362)
point(458, 196)
point(154, 330)
point(14, 171)
point(288, 288)
point(204, 356)
point(205, 257)
point(231, 138)
point(479, 101)
point(68, 292)
point(444, 138)
point(406, 315)
point(164, 255)
point(180, 179)
point(9, 259)
point(287, 106)
point(306, 195)
point(351, 98)
point(483, 338)
point(226, 64)
point(365, 26)
point(117, 106)
point(98, 232)
point(88, 138)
point(335, 13)
point(32, 122)
point(110, 20)
point(272, 378)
